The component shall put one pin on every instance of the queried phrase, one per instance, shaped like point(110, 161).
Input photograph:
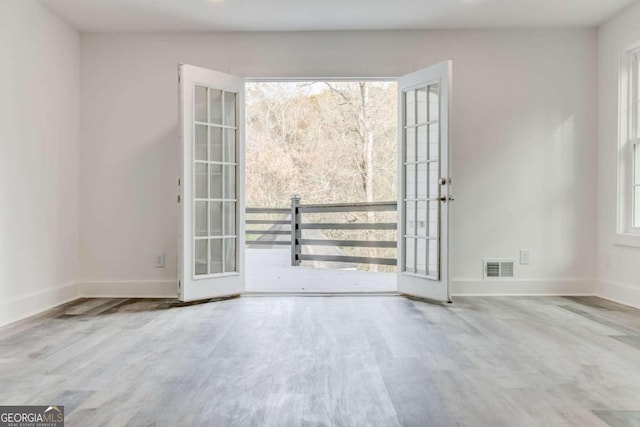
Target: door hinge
point(178, 198)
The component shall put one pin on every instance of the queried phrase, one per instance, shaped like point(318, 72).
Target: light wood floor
point(324, 361)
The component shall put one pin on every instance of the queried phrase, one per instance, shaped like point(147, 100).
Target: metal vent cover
point(496, 269)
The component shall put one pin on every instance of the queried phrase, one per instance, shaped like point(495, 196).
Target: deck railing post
point(295, 230)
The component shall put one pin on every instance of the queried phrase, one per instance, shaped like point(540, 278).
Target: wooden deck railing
point(269, 211)
point(297, 225)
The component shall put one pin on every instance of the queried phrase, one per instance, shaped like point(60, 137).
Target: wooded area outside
point(329, 142)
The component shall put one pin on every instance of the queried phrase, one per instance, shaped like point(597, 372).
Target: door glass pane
point(200, 150)
point(434, 141)
point(637, 95)
point(422, 219)
point(433, 258)
point(422, 149)
point(410, 217)
point(422, 181)
point(410, 257)
point(230, 182)
point(411, 144)
point(215, 135)
point(410, 107)
point(434, 186)
point(434, 212)
point(421, 105)
point(215, 221)
point(216, 256)
point(421, 256)
point(434, 102)
point(636, 164)
point(215, 181)
point(200, 218)
point(229, 108)
point(215, 106)
point(230, 255)
point(636, 190)
point(200, 106)
point(230, 146)
point(410, 184)
point(422, 143)
point(229, 219)
point(201, 189)
point(636, 212)
point(200, 257)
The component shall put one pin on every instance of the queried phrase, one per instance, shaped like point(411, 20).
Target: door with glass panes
point(211, 262)
point(424, 182)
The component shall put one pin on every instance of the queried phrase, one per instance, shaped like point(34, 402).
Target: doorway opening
point(212, 184)
point(321, 160)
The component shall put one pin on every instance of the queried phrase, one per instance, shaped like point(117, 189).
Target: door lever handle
point(445, 199)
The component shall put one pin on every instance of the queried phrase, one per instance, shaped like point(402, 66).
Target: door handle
point(445, 199)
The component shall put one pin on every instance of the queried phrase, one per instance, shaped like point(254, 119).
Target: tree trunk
point(366, 128)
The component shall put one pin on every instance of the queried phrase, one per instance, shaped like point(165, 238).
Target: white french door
point(424, 184)
point(211, 259)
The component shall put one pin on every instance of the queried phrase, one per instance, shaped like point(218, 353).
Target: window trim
point(628, 233)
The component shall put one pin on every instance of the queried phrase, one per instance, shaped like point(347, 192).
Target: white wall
point(524, 143)
point(39, 121)
point(618, 265)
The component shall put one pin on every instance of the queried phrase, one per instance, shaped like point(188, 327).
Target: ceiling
point(324, 15)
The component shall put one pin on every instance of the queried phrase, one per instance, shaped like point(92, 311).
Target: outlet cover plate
point(158, 260)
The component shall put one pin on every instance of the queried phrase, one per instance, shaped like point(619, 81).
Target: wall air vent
point(496, 269)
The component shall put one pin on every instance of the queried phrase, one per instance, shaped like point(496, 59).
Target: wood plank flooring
point(329, 361)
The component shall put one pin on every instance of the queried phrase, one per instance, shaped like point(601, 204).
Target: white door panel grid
point(424, 193)
point(211, 259)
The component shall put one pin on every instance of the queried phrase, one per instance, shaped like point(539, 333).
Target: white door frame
point(239, 285)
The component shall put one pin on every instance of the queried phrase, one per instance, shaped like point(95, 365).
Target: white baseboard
point(523, 287)
point(622, 294)
point(33, 304)
point(169, 289)
point(129, 289)
point(30, 305)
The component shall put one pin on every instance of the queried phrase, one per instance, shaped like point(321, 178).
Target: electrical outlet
point(159, 260)
point(524, 257)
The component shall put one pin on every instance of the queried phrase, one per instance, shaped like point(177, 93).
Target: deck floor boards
point(270, 270)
